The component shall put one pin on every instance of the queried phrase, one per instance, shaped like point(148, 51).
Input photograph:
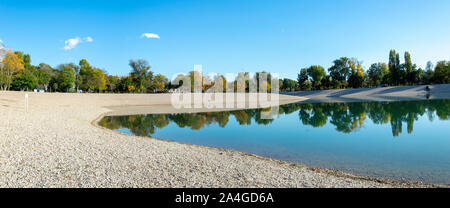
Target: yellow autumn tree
point(99, 78)
point(357, 78)
point(10, 66)
point(131, 88)
point(159, 82)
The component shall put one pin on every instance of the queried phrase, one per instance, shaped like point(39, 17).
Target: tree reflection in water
point(346, 117)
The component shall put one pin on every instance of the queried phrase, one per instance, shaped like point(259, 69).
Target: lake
point(404, 139)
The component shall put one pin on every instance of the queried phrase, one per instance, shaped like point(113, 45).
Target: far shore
point(56, 143)
point(383, 94)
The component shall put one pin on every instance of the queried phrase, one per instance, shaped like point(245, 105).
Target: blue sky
point(225, 36)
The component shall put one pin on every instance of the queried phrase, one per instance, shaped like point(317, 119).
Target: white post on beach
point(26, 102)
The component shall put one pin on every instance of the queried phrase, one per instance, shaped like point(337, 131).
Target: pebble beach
point(57, 143)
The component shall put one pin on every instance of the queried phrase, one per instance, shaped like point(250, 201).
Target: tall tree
point(394, 68)
point(410, 70)
point(66, 77)
point(98, 80)
point(429, 66)
point(442, 72)
point(317, 73)
point(112, 83)
point(26, 58)
point(126, 84)
point(357, 78)
point(84, 76)
point(262, 79)
point(160, 82)
point(10, 67)
point(289, 85)
point(141, 74)
point(24, 81)
point(44, 74)
point(303, 79)
point(377, 73)
point(428, 77)
point(419, 75)
point(340, 71)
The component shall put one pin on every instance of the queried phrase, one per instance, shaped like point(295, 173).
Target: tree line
point(345, 117)
point(349, 73)
point(17, 73)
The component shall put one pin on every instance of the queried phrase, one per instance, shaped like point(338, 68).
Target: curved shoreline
point(55, 144)
point(337, 173)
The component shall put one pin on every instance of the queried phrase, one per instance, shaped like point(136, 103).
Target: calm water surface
point(408, 139)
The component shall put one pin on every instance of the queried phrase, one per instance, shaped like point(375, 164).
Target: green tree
point(112, 83)
point(141, 74)
point(357, 76)
point(428, 77)
point(395, 69)
point(126, 84)
point(196, 78)
point(327, 82)
point(160, 82)
point(316, 73)
point(44, 75)
point(410, 72)
point(26, 58)
point(84, 77)
point(340, 72)
point(98, 80)
point(377, 73)
point(26, 80)
point(307, 86)
point(419, 75)
point(303, 78)
point(289, 85)
point(442, 72)
point(65, 78)
point(262, 79)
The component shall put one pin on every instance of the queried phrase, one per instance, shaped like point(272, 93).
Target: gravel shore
point(383, 94)
point(56, 143)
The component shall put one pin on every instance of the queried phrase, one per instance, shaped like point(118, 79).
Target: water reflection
point(345, 117)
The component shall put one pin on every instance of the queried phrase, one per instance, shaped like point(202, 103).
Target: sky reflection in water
point(407, 139)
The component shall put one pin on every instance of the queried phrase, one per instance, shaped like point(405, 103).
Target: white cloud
point(73, 42)
point(89, 39)
point(150, 35)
